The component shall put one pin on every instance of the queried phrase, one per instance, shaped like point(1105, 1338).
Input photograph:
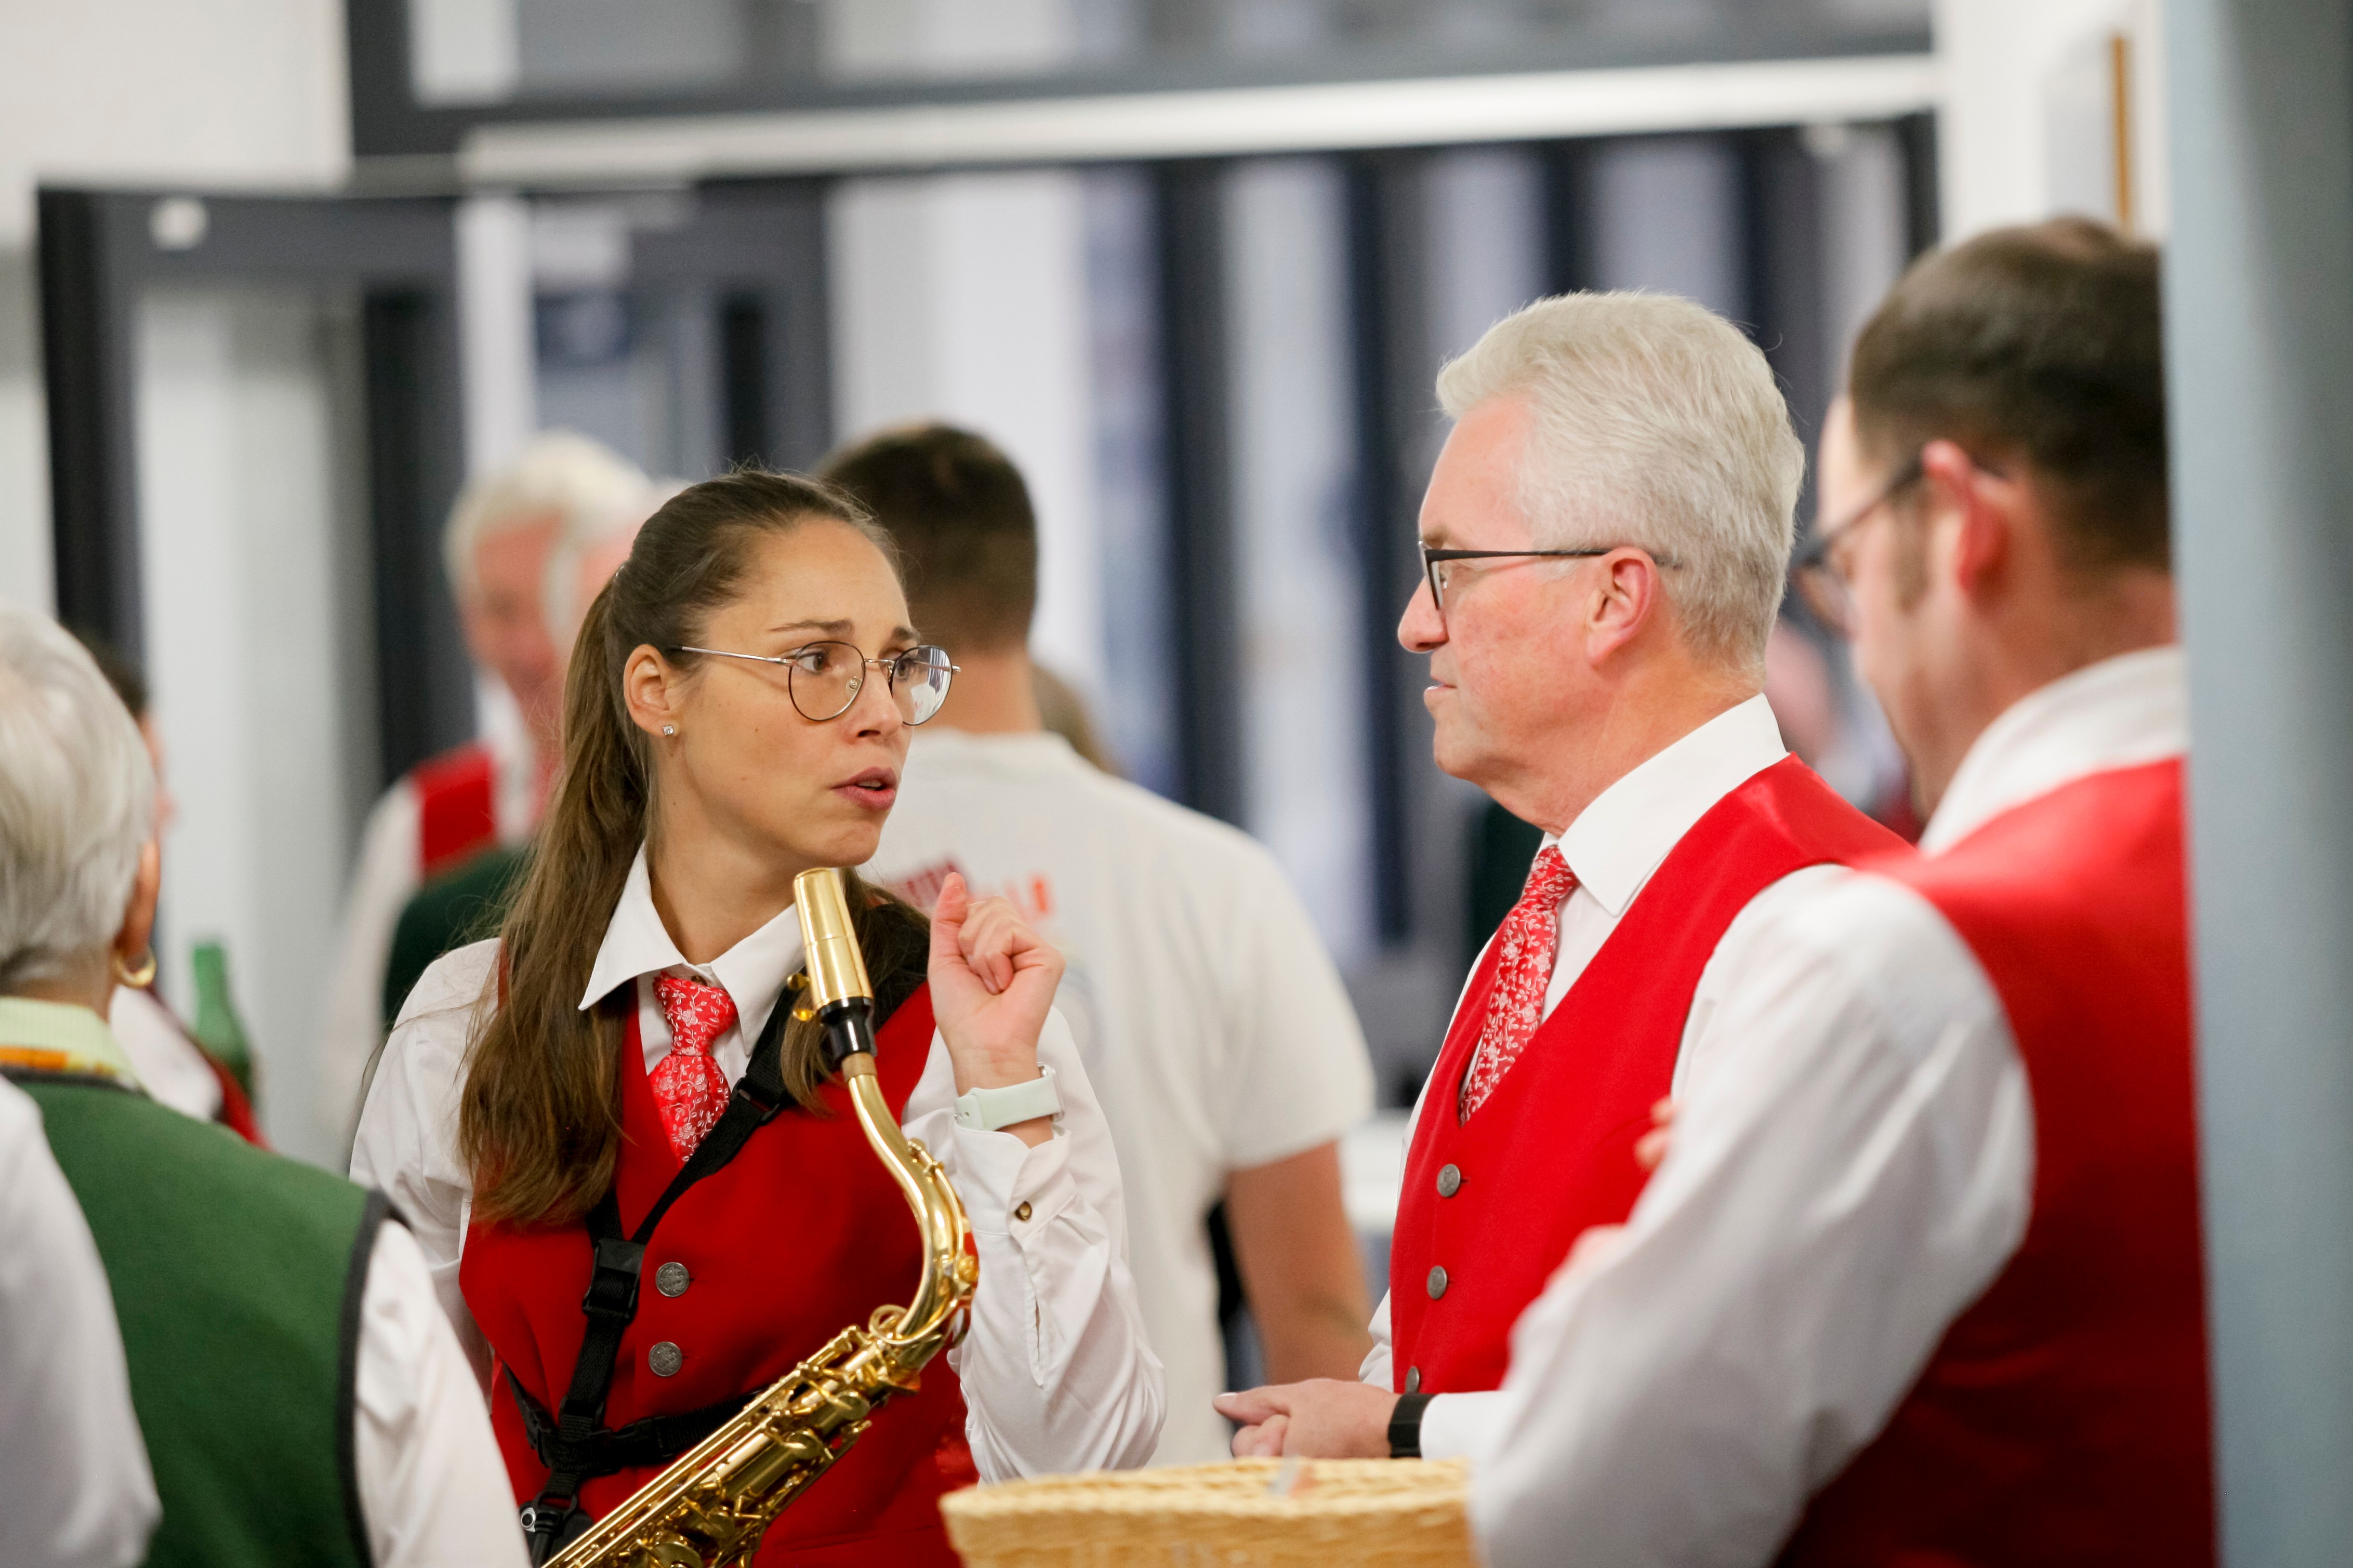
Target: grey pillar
point(2259, 310)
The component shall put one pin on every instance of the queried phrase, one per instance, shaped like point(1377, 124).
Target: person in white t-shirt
point(1207, 1013)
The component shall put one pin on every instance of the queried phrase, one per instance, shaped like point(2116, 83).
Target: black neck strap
point(576, 1446)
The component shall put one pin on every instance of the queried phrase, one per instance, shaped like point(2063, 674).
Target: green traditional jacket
point(237, 1278)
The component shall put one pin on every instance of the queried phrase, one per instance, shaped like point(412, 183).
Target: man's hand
point(1323, 1418)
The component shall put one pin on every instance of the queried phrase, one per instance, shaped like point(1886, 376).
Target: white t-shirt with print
point(1207, 1014)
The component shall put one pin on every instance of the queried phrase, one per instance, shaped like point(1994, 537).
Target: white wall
point(2025, 131)
point(964, 298)
point(247, 411)
point(233, 92)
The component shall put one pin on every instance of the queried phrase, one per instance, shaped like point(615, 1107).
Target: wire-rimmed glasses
point(1435, 561)
point(824, 679)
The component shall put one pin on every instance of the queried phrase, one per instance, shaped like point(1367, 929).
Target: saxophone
point(709, 1508)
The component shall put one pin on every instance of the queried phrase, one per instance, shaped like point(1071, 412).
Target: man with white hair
point(1606, 536)
point(510, 532)
point(301, 1397)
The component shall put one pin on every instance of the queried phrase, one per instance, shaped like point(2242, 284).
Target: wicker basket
point(1390, 1513)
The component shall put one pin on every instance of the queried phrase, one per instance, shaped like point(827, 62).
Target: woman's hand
point(993, 979)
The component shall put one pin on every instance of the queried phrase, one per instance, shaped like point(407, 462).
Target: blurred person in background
point(75, 1489)
point(1212, 1021)
point(300, 1395)
point(468, 902)
point(1607, 534)
point(503, 535)
point(625, 1063)
point(172, 1065)
point(1920, 1277)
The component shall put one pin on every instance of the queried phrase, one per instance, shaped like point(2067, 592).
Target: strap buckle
point(613, 1289)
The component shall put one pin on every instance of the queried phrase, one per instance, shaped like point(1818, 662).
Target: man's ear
point(650, 685)
point(137, 927)
point(1984, 507)
point(1626, 596)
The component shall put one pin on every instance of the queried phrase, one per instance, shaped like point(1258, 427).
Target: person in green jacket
point(301, 1393)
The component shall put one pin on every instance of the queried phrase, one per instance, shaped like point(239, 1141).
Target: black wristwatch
point(1404, 1425)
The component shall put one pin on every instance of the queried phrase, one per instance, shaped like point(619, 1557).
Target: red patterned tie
point(1526, 944)
point(688, 1085)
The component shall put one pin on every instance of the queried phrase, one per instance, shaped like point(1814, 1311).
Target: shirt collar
point(1618, 840)
point(2117, 713)
point(58, 1036)
point(637, 943)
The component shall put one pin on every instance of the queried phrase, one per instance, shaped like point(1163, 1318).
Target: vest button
point(671, 1279)
point(665, 1359)
point(1449, 1181)
point(1413, 1380)
point(1437, 1282)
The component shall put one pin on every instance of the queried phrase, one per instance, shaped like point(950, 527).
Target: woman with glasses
point(737, 710)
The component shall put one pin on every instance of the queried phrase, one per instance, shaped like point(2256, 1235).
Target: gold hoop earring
point(139, 977)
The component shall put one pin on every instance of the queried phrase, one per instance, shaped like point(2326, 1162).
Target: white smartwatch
point(987, 1110)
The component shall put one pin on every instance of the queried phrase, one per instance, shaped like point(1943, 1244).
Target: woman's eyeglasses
point(824, 679)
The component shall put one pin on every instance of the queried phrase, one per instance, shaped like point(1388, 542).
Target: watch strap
point(987, 1109)
point(1404, 1425)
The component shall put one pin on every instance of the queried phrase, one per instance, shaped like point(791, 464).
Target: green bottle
point(218, 1028)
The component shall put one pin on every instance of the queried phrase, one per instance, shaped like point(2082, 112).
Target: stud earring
point(670, 729)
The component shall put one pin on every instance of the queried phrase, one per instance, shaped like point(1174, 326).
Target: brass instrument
point(710, 1507)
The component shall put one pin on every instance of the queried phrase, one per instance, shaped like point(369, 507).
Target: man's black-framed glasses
point(824, 679)
point(1434, 563)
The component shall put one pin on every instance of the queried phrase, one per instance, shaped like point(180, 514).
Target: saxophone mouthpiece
point(837, 970)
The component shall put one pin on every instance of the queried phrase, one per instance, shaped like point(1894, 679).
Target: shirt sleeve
point(408, 1139)
point(432, 1487)
point(1056, 1371)
point(1297, 1072)
point(352, 1025)
point(75, 1489)
point(1850, 1172)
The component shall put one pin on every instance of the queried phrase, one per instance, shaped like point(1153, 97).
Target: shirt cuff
point(1009, 1188)
point(1459, 1425)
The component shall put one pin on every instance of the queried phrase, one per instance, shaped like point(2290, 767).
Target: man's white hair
point(1652, 422)
point(583, 484)
point(76, 802)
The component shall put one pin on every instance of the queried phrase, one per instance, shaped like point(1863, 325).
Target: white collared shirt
point(75, 1489)
point(1847, 1177)
point(1055, 1373)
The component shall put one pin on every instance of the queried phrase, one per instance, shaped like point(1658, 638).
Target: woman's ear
point(650, 685)
point(137, 927)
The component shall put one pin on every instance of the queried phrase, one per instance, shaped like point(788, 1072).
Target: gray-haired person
point(301, 1397)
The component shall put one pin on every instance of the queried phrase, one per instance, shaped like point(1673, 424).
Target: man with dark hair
point(1213, 1023)
point(1919, 1278)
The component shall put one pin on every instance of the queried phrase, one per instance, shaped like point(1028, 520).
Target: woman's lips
point(874, 789)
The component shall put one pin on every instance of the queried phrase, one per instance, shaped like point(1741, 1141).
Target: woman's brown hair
point(539, 1118)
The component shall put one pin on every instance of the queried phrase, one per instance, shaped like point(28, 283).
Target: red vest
point(801, 1234)
point(2064, 1419)
point(1552, 1150)
point(457, 807)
